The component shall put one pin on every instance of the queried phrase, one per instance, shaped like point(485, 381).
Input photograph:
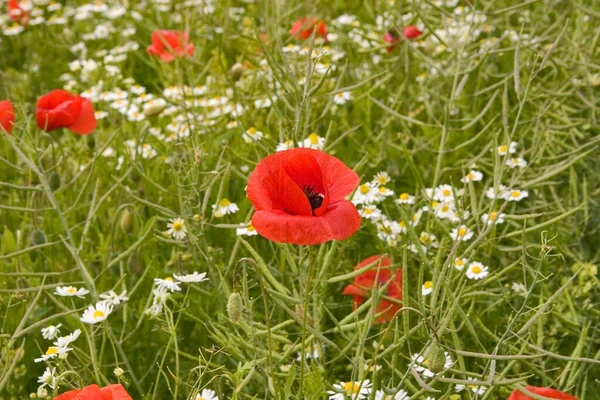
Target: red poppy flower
point(170, 44)
point(7, 116)
point(393, 38)
point(93, 392)
point(299, 197)
point(542, 391)
point(365, 282)
point(303, 28)
point(60, 109)
point(16, 13)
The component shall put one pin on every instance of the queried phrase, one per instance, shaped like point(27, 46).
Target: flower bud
point(54, 181)
point(118, 372)
point(38, 237)
point(436, 358)
point(236, 71)
point(90, 141)
point(235, 305)
point(127, 221)
point(8, 243)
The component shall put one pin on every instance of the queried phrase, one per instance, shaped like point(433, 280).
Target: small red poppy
point(393, 38)
point(542, 391)
point(170, 44)
point(16, 12)
point(299, 197)
point(7, 116)
point(365, 282)
point(304, 27)
point(93, 392)
point(61, 109)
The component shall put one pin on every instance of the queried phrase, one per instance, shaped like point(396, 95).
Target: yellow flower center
point(51, 351)
point(445, 208)
point(251, 228)
point(502, 149)
point(177, 226)
point(369, 211)
point(476, 270)
point(434, 204)
point(402, 224)
point(168, 278)
point(428, 285)
point(404, 196)
point(382, 189)
point(71, 290)
point(251, 131)
point(415, 218)
point(470, 176)
point(314, 138)
point(492, 215)
point(98, 314)
point(460, 262)
point(364, 188)
point(351, 387)
point(462, 231)
point(224, 203)
point(515, 193)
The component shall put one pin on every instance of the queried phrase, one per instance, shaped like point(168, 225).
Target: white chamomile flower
point(381, 179)
point(206, 394)
point(313, 141)
point(472, 176)
point(490, 193)
point(477, 271)
point(342, 98)
point(427, 288)
point(388, 230)
point(519, 289)
point(444, 193)
point(97, 313)
point(383, 192)
point(246, 230)
point(114, 299)
point(400, 395)
point(510, 149)
point(224, 207)
point(285, 145)
point(48, 378)
point(176, 228)
point(516, 162)
point(477, 389)
point(53, 352)
point(445, 211)
point(366, 194)
point(370, 212)
point(70, 291)
point(167, 284)
point(515, 194)
point(493, 218)
point(461, 234)
point(191, 278)
point(51, 331)
point(350, 390)
point(405, 198)
point(155, 310)
point(64, 341)
point(460, 263)
point(252, 135)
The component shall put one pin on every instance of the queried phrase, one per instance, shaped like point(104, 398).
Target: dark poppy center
point(314, 198)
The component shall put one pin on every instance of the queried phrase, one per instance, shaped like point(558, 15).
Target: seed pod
point(236, 71)
point(54, 181)
point(235, 305)
point(38, 237)
point(127, 221)
point(436, 358)
point(90, 141)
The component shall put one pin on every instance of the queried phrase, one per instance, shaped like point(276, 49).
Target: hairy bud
point(54, 181)
point(236, 71)
point(38, 237)
point(235, 305)
point(436, 358)
point(127, 221)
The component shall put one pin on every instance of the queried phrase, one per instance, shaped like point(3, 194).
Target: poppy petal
point(293, 199)
point(115, 392)
point(70, 395)
point(86, 122)
point(343, 219)
point(306, 172)
point(352, 290)
point(339, 179)
point(282, 227)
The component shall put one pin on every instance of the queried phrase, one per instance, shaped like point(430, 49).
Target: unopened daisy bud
point(118, 372)
point(54, 181)
point(32, 396)
point(38, 237)
point(42, 392)
point(127, 221)
point(196, 217)
point(436, 358)
point(236, 71)
point(235, 306)
point(90, 141)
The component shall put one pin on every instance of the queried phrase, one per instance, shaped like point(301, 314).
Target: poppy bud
point(54, 181)
point(134, 176)
point(234, 307)
point(38, 237)
point(127, 221)
point(8, 243)
point(236, 71)
point(90, 141)
point(436, 358)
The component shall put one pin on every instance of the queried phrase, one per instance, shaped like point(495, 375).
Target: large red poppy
point(61, 109)
point(304, 27)
point(542, 391)
point(378, 275)
point(170, 44)
point(93, 392)
point(393, 38)
point(7, 116)
point(299, 196)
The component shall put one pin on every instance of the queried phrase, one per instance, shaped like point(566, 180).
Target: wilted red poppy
point(393, 38)
point(299, 197)
point(17, 13)
point(542, 391)
point(170, 44)
point(364, 283)
point(61, 109)
point(304, 27)
point(7, 115)
point(93, 392)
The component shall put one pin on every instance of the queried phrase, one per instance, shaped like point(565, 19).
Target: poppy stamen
point(314, 198)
